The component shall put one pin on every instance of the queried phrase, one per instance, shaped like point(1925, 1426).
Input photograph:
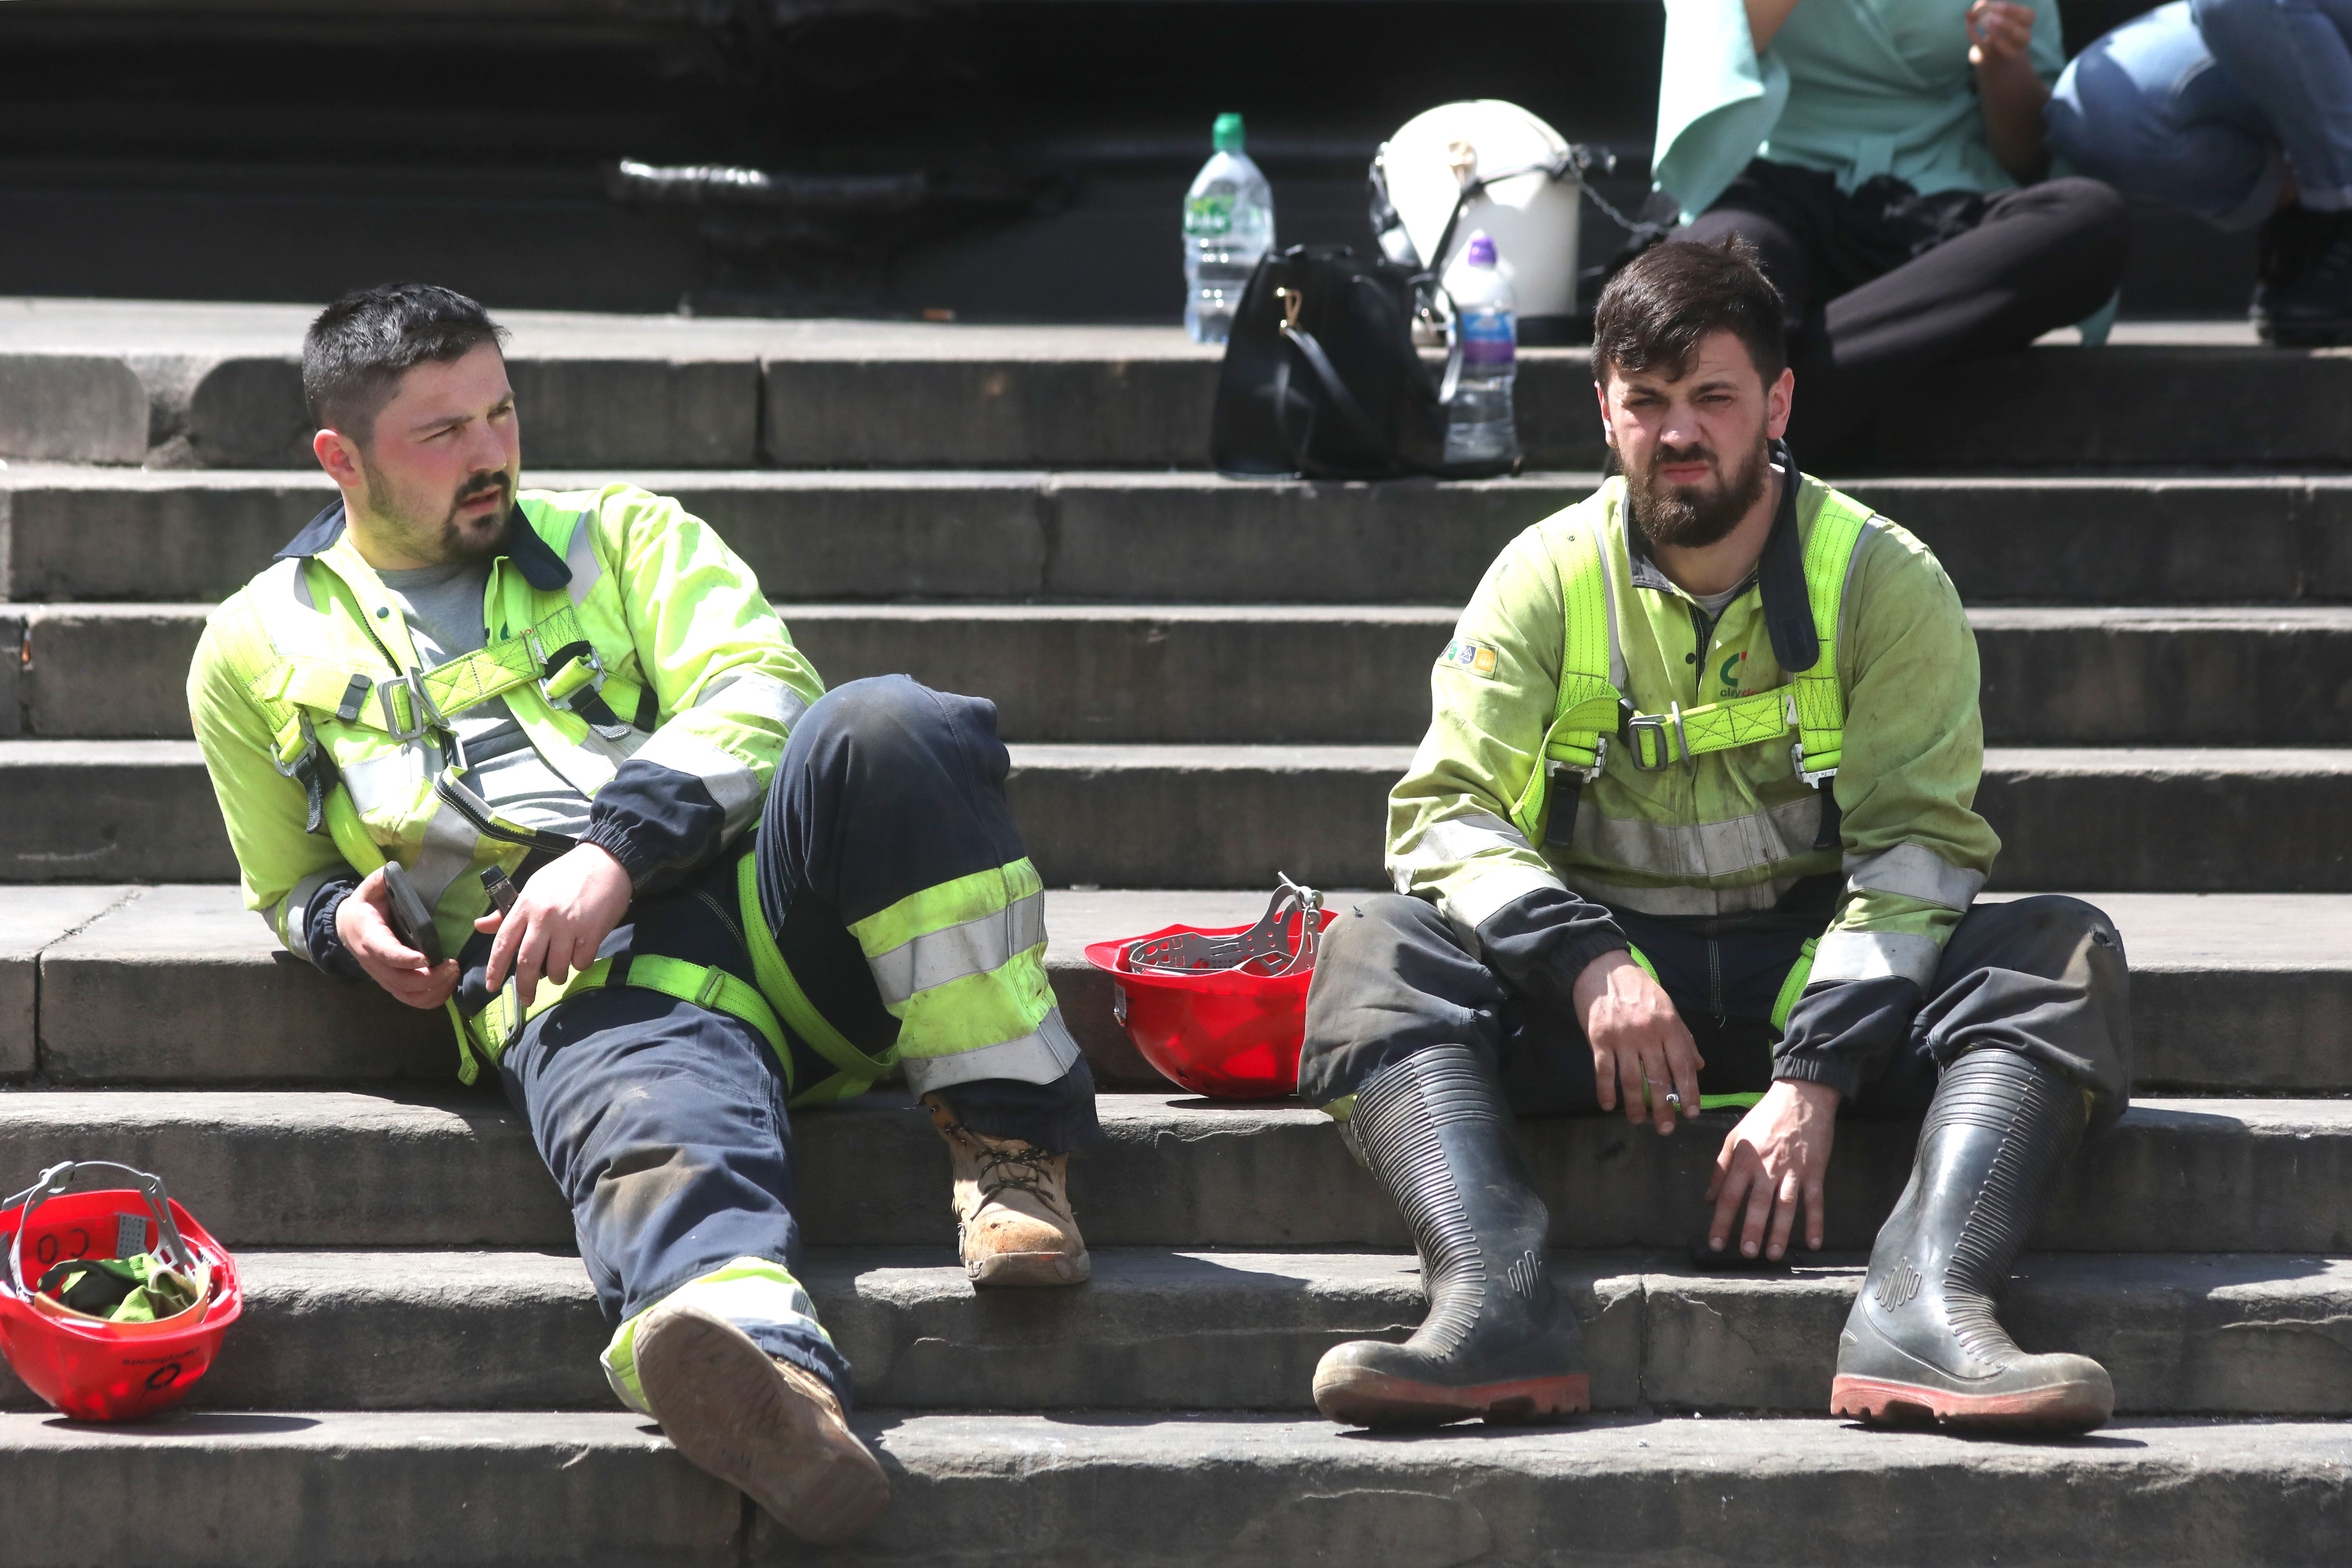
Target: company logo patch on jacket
point(1478, 657)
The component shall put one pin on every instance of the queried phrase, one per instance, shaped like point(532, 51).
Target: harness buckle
point(595, 684)
point(1816, 776)
point(429, 716)
point(1555, 770)
point(306, 760)
point(1637, 725)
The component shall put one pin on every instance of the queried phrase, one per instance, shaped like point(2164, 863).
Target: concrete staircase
point(1204, 681)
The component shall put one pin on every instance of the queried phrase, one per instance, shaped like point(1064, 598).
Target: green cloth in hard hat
point(141, 1290)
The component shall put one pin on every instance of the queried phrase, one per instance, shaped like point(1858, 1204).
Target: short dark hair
point(1654, 313)
point(356, 352)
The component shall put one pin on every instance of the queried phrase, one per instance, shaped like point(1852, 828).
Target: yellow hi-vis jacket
point(635, 650)
point(1702, 805)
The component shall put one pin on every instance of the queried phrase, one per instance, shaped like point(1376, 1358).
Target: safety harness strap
point(1586, 712)
point(1812, 704)
point(555, 653)
point(776, 980)
point(1820, 699)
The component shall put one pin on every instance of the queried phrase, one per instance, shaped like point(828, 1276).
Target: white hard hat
point(1529, 206)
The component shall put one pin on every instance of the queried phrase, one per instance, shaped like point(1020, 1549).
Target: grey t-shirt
point(443, 606)
point(1715, 603)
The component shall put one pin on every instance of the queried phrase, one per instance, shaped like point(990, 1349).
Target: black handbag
point(1321, 379)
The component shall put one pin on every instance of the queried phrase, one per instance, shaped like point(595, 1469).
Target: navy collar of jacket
point(540, 566)
point(1780, 571)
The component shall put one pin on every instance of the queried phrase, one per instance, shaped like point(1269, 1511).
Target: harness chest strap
point(555, 655)
point(1812, 705)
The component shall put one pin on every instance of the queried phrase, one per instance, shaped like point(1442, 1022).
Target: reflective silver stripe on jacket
point(730, 779)
point(1915, 871)
point(448, 852)
point(386, 784)
point(1682, 900)
point(750, 691)
point(1459, 840)
point(1039, 1057)
point(1875, 954)
point(1704, 848)
point(580, 554)
point(975, 947)
point(290, 922)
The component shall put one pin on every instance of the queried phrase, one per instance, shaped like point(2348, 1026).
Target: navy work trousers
point(2042, 976)
point(664, 1123)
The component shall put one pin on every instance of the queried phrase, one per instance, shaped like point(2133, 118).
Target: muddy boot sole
point(1029, 1269)
point(732, 1411)
point(2069, 1406)
point(1363, 1398)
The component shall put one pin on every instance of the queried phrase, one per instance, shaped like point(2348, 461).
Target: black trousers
point(2042, 976)
point(1884, 286)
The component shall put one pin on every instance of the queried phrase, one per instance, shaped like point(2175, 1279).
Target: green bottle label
point(1205, 217)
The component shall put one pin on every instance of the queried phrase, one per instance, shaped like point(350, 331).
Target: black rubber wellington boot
point(1498, 1342)
point(1921, 1344)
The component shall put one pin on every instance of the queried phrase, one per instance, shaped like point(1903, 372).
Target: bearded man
point(1692, 828)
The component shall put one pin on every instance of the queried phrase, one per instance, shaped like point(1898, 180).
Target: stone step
point(220, 385)
point(178, 984)
point(1325, 675)
point(2187, 1333)
point(2168, 819)
point(260, 1490)
point(322, 1168)
point(101, 533)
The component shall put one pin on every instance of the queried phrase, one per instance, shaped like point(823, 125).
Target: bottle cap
point(1228, 132)
point(1481, 251)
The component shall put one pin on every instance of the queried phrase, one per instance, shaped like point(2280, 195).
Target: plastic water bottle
point(1479, 425)
point(1228, 226)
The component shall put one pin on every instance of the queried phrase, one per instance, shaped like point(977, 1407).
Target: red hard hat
point(90, 1368)
point(1221, 1011)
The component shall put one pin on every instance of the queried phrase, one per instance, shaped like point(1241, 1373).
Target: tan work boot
point(768, 1428)
point(1012, 1208)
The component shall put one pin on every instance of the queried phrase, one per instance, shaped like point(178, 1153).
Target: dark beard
point(458, 542)
point(1667, 517)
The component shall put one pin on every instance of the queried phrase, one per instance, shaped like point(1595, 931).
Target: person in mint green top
point(1886, 158)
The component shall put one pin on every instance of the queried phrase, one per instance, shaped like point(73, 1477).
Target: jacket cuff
point(322, 939)
point(1841, 1031)
point(1831, 1072)
point(661, 825)
point(1542, 940)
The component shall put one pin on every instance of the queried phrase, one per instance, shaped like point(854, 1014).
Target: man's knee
point(1391, 979)
point(888, 719)
point(2048, 935)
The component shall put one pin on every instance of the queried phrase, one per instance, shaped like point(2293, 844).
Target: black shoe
point(1498, 1342)
point(1921, 1343)
point(2302, 292)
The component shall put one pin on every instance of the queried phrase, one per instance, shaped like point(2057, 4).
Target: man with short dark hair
point(501, 751)
point(1692, 828)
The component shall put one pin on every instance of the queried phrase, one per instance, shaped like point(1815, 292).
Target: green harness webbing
point(1792, 986)
point(1589, 707)
point(775, 1003)
point(554, 654)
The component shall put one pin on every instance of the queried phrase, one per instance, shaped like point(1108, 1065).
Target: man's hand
point(1638, 1041)
point(563, 915)
point(1774, 1157)
point(364, 922)
point(1999, 32)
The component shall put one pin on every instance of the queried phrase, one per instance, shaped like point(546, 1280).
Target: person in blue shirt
point(2239, 111)
point(1883, 156)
